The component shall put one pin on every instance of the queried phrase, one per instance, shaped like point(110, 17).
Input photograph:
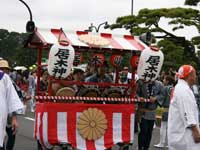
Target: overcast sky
point(73, 14)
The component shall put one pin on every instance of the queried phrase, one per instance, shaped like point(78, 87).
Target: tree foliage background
point(12, 49)
point(177, 50)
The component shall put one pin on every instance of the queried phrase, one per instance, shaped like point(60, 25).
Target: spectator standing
point(183, 122)
point(44, 81)
point(4, 66)
point(147, 111)
point(13, 75)
point(168, 83)
point(9, 103)
point(31, 90)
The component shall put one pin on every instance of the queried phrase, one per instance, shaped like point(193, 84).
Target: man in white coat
point(183, 123)
point(9, 102)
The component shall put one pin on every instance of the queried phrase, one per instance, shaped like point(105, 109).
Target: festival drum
point(65, 91)
point(113, 92)
point(56, 87)
point(88, 92)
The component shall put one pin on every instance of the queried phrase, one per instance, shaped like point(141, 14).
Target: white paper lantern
point(150, 64)
point(60, 61)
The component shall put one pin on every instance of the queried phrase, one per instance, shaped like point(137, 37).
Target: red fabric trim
point(108, 136)
point(60, 34)
point(90, 145)
point(52, 126)
point(126, 128)
point(71, 126)
point(40, 129)
point(113, 43)
point(41, 37)
point(81, 32)
point(35, 126)
point(67, 107)
point(133, 42)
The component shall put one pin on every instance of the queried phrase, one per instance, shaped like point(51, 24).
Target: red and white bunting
point(57, 123)
point(127, 42)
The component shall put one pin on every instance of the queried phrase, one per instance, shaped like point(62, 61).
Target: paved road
point(155, 140)
point(25, 140)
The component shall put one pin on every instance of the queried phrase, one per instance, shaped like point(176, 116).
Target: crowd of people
point(175, 92)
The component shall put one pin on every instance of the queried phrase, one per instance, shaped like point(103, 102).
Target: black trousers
point(39, 146)
point(145, 134)
point(11, 138)
point(1, 148)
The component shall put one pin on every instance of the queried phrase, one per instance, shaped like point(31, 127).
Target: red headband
point(184, 71)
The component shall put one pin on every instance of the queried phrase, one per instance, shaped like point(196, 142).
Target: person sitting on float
point(90, 70)
point(101, 75)
point(77, 75)
point(124, 75)
point(44, 81)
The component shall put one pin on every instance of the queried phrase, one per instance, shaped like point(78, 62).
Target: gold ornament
point(94, 40)
point(92, 124)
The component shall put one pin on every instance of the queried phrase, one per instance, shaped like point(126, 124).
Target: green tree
point(192, 2)
point(12, 48)
point(177, 49)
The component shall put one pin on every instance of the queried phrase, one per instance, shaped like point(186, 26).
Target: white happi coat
point(183, 113)
point(9, 102)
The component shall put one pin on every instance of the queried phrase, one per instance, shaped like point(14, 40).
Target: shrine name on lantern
point(152, 68)
point(62, 63)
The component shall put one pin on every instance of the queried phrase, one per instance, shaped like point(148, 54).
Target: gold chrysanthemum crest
point(92, 124)
point(94, 40)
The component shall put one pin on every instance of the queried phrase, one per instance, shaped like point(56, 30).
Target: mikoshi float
point(101, 114)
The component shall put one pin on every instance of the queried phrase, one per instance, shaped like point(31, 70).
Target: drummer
point(100, 75)
point(124, 75)
point(90, 70)
point(77, 75)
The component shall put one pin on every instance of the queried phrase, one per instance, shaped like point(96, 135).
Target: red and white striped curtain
point(57, 123)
